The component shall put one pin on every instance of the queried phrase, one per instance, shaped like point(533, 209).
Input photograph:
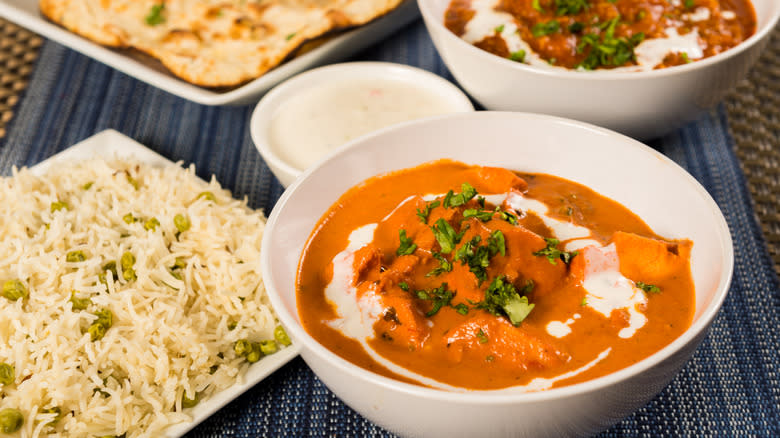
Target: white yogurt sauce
point(578, 244)
point(700, 14)
point(649, 53)
point(562, 230)
point(609, 290)
point(560, 329)
point(313, 122)
point(485, 22)
point(356, 317)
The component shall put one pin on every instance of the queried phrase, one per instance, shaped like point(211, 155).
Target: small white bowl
point(639, 104)
point(260, 125)
point(672, 202)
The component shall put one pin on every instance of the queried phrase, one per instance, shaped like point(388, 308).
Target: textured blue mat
point(730, 388)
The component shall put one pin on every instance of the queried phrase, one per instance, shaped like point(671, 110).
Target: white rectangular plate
point(111, 144)
point(26, 14)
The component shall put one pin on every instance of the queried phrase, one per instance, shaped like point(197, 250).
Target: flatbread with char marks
point(212, 43)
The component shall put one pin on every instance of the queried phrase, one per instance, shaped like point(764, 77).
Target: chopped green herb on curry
point(407, 246)
point(649, 288)
point(553, 254)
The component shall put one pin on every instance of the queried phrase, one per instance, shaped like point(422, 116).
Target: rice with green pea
point(137, 285)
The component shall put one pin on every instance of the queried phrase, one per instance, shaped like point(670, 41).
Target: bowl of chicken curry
point(482, 273)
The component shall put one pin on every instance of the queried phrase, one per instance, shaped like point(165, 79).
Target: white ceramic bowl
point(637, 176)
point(638, 104)
point(265, 110)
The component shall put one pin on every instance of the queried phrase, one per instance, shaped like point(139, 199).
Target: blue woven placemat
point(730, 388)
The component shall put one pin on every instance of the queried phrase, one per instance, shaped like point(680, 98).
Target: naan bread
point(212, 43)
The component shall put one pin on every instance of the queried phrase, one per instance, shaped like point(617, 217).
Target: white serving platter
point(26, 14)
point(112, 144)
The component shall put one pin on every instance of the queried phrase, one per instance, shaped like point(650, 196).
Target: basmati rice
point(173, 328)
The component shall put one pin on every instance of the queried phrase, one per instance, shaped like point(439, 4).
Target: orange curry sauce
point(594, 34)
point(462, 344)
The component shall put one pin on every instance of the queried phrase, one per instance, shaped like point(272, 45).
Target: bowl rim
point(698, 328)
point(263, 113)
point(437, 25)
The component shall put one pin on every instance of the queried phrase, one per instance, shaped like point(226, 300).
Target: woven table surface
point(18, 52)
point(754, 118)
point(731, 386)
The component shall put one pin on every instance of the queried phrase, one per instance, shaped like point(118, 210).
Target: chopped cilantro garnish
point(440, 297)
point(518, 309)
point(689, 4)
point(501, 298)
point(518, 56)
point(570, 7)
point(447, 199)
point(475, 256)
point(404, 286)
point(426, 211)
point(486, 215)
point(535, 4)
point(606, 49)
point(496, 243)
point(155, 17)
point(444, 265)
point(584, 302)
point(685, 57)
point(483, 339)
point(482, 215)
point(553, 254)
point(507, 216)
point(576, 27)
point(461, 308)
point(499, 28)
point(478, 257)
point(407, 246)
point(290, 36)
point(489, 358)
point(542, 29)
point(453, 200)
point(649, 288)
point(467, 249)
point(446, 235)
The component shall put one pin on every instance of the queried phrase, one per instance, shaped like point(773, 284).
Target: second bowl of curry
point(642, 68)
